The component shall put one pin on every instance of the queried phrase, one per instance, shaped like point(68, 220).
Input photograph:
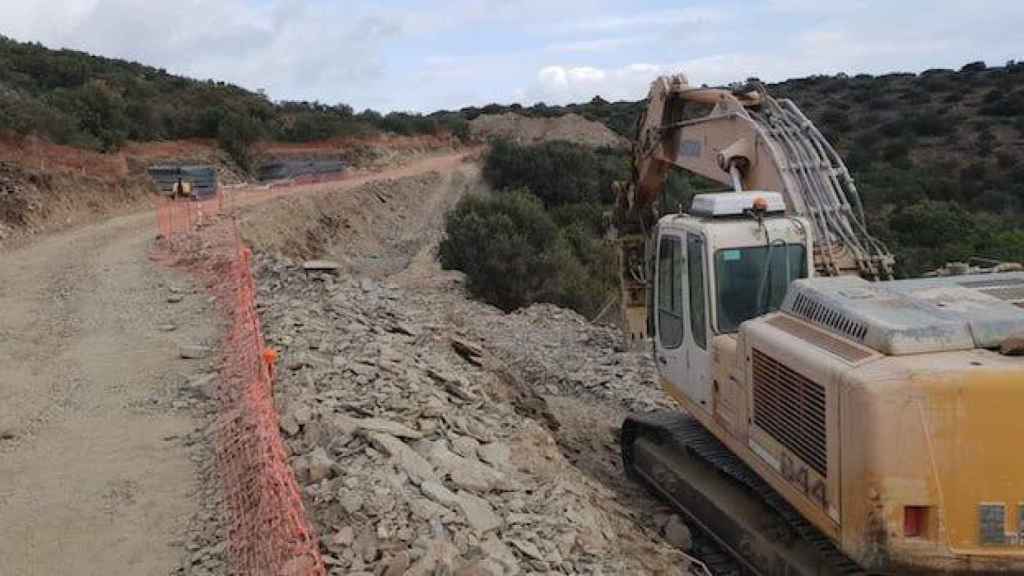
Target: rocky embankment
point(436, 435)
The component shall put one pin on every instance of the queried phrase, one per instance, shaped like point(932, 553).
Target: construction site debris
point(429, 448)
point(530, 130)
point(327, 266)
point(193, 352)
point(1013, 346)
point(677, 533)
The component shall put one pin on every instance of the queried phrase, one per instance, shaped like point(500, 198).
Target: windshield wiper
point(764, 288)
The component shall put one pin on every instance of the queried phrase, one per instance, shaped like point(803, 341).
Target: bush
point(556, 172)
point(514, 254)
point(1004, 104)
point(236, 135)
point(836, 120)
point(985, 143)
point(930, 234)
point(590, 217)
point(507, 246)
point(23, 116)
point(897, 153)
point(97, 102)
point(931, 124)
point(931, 223)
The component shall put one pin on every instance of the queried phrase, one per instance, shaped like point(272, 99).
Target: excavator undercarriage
point(723, 498)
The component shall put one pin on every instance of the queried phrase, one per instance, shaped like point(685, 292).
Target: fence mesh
point(181, 215)
point(269, 533)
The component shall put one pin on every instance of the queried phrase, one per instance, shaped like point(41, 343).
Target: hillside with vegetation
point(937, 157)
point(542, 236)
point(77, 99)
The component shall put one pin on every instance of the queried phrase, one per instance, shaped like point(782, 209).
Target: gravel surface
point(435, 434)
point(101, 458)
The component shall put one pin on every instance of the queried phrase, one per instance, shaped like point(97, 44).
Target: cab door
point(669, 308)
point(698, 358)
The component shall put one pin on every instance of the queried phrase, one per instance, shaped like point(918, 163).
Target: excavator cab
point(716, 267)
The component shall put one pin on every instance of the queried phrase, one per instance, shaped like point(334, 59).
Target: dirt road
point(96, 475)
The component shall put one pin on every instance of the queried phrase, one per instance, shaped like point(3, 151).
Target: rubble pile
point(531, 130)
point(417, 425)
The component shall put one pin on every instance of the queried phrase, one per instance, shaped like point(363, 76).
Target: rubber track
point(686, 432)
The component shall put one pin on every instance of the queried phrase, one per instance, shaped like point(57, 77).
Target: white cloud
point(560, 85)
point(597, 45)
point(290, 48)
point(553, 79)
point(652, 19)
point(430, 54)
point(815, 7)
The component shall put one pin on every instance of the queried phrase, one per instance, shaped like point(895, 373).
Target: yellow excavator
point(834, 420)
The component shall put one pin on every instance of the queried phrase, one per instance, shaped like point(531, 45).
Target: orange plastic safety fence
point(182, 215)
point(269, 532)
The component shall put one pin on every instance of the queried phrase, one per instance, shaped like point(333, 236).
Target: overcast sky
point(423, 55)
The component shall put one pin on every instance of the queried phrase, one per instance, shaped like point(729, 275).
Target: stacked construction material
point(292, 169)
point(202, 178)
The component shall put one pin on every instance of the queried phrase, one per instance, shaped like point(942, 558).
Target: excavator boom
point(747, 140)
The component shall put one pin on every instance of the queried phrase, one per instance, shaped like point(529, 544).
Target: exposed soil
point(46, 187)
point(529, 130)
point(382, 151)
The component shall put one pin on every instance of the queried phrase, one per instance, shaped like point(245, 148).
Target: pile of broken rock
point(413, 452)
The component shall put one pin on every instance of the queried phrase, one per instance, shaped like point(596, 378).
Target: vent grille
point(992, 282)
point(823, 340)
point(818, 313)
point(1008, 293)
point(790, 408)
point(992, 524)
point(1009, 289)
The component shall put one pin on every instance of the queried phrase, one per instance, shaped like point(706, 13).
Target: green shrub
point(514, 254)
point(931, 223)
point(556, 172)
point(236, 135)
point(507, 246)
point(985, 143)
point(931, 124)
point(897, 153)
point(591, 217)
point(97, 102)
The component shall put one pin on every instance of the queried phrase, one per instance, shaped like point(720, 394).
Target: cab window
point(695, 261)
point(753, 281)
point(670, 292)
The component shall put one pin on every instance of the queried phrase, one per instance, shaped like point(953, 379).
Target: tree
point(236, 135)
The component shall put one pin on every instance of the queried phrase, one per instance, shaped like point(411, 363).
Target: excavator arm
point(747, 140)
